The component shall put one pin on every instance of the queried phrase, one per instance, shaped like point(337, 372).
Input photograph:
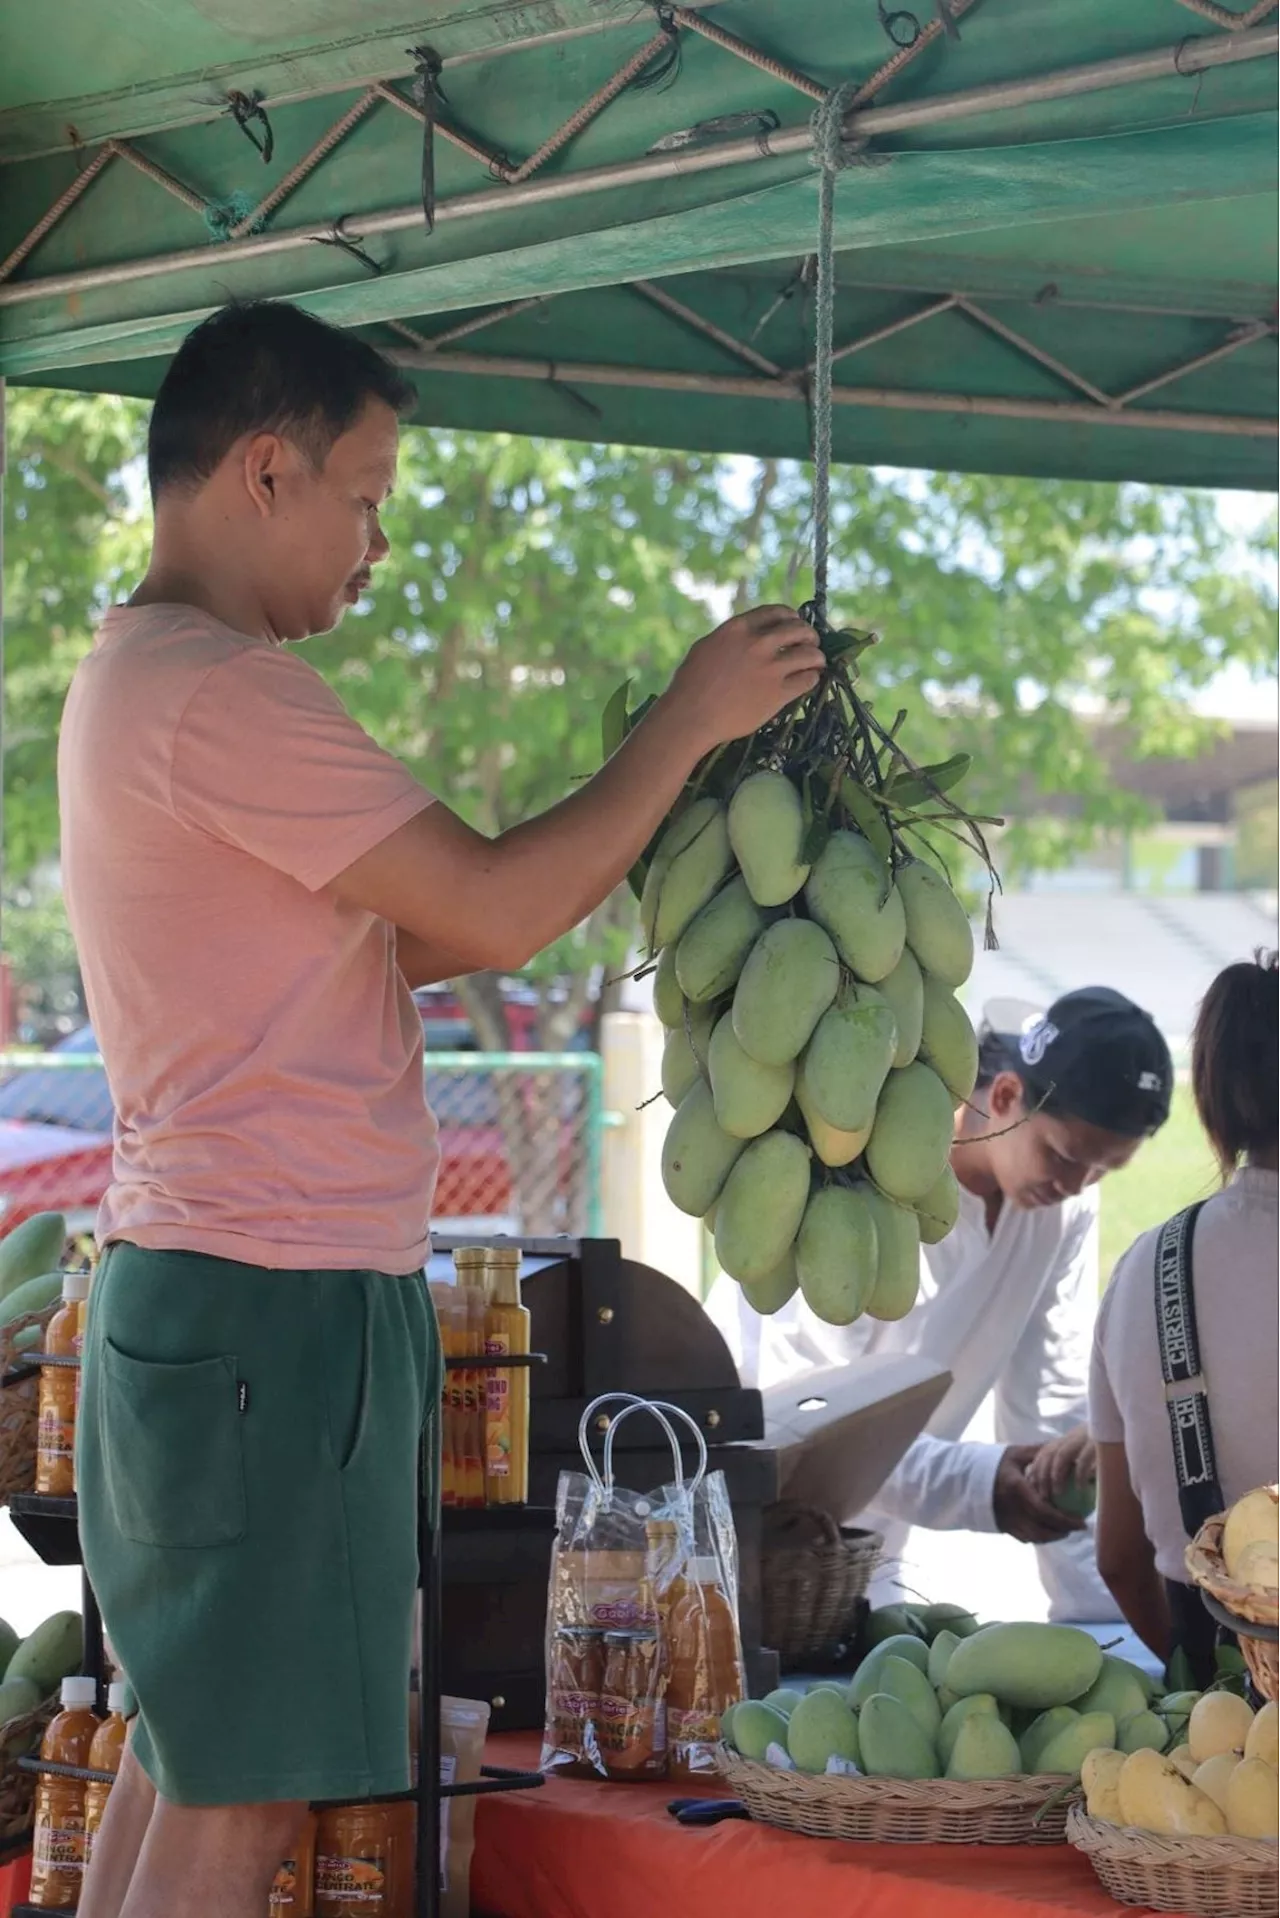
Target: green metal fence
point(521, 1137)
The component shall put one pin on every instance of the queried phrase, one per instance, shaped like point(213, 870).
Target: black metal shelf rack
point(51, 1527)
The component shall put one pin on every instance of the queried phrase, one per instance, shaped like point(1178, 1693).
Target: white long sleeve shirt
point(1009, 1314)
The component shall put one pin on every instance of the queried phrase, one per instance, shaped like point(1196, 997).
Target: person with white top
point(1182, 1393)
point(1007, 1299)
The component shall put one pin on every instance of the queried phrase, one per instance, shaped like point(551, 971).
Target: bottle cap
point(120, 1697)
point(505, 1254)
point(79, 1692)
point(468, 1258)
point(75, 1286)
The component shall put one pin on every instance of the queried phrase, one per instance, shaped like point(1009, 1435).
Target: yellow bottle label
point(284, 1887)
point(497, 1461)
point(352, 1881)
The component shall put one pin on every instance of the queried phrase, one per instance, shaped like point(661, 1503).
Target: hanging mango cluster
point(808, 947)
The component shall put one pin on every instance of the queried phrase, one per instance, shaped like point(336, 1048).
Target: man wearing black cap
point(1007, 1300)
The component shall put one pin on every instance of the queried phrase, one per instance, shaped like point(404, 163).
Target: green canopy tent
point(1056, 253)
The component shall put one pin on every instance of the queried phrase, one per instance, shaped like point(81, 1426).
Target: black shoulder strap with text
point(1199, 1494)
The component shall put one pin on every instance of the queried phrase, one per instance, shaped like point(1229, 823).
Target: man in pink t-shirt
point(255, 887)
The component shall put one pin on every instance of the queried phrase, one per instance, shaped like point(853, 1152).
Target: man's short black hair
point(262, 367)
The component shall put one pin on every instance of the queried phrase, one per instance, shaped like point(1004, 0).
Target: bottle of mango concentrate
point(60, 1393)
point(57, 1869)
point(105, 1755)
point(506, 1331)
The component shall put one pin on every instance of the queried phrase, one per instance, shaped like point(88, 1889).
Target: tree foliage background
point(528, 578)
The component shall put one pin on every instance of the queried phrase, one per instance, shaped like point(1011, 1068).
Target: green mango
point(770, 1294)
point(979, 1703)
point(789, 980)
point(940, 1651)
point(906, 1647)
point(948, 1041)
point(910, 1141)
point(713, 948)
point(847, 894)
point(893, 1745)
point(1064, 1755)
point(767, 832)
point(33, 1295)
point(52, 1652)
point(937, 925)
point(983, 1748)
point(784, 1700)
point(749, 1097)
point(1042, 1730)
point(31, 1249)
point(756, 1727)
point(668, 1000)
point(761, 1206)
point(902, 1679)
point(684, 1054)
point(1120, 1688)
point(830, 1145)
point(1077, 1499)
point(849, 1058)
point(1027, 1665)
point(1142, 1731)
point(697, 1157)
point(9, 1643)
point(891, 1621)
point(952, 1618)
point(897, 1257)
point(836, 1255)
point(940, 1207)
point(821, 1727)
point(904, 990)
point(690, 861)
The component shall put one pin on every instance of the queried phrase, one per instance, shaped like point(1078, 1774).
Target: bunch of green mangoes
point(816, 1050)
point(948, 1698)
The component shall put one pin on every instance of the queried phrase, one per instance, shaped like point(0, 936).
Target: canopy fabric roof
point(1057, 257)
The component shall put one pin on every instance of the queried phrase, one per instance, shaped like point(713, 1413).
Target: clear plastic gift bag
point(643, 1648)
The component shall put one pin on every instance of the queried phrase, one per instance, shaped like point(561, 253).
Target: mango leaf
point(912, 789)
point(1178, 1675)
point(614, 721)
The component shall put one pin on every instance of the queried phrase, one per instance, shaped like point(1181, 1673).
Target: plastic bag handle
point(631, 1401)
point(659, 1408)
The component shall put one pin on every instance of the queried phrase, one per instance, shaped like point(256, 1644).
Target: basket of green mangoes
point(952, 1733)
point(30, 1293)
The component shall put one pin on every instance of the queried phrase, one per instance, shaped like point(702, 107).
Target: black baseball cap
point(1094, 1055)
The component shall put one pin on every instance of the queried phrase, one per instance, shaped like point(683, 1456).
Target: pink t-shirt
point(263, 1051)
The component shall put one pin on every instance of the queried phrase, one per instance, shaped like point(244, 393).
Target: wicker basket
point(1208, 1877)
point(900, 1811)
point(19, 1413)
point(1245, 1606)
point(814, 1577)
point(20, 1738)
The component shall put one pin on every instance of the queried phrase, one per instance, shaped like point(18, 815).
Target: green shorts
point(247, 1453)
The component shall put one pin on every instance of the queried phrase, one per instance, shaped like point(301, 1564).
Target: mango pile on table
point(952, 1699)
point(809, 946)
point(30, 1278)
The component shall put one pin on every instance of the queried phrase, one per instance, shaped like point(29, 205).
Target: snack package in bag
point(643, 1649)
point(464, 1723)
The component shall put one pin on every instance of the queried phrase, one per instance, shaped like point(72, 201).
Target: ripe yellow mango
point(1219, 1722)
point(1213, 1777)
point(1154, 1796)
point(1100, 1777)
point(1253, 1520)
point(1261, 1742)
point(1251, 1800)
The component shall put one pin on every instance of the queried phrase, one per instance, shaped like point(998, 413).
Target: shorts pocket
point(172, 1449)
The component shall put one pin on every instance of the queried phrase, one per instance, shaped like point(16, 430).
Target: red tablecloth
point(579, 1849)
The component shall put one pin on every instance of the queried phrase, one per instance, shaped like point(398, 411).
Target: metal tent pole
point(1190, 57)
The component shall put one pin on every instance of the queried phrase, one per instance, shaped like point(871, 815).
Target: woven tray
point(1208, 1877)
point(899, 1811)
point(1245, 1606)
point(814, 1576)
point(19, 1413)
point(20, 1738)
